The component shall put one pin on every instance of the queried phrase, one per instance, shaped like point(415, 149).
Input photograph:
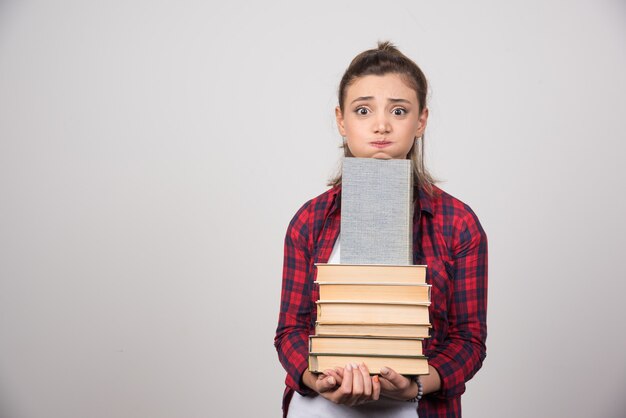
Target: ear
point(339, 118)
point(422, 121)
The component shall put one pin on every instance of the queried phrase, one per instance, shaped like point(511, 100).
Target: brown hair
point(387, 59)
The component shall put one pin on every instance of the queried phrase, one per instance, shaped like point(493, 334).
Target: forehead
point(381, 87)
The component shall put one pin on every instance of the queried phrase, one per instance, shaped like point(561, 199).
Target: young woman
point(382, 113)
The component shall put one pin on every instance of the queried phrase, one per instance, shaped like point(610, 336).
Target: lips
point(380, 144)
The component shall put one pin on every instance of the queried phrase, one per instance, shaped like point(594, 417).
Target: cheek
point(355, 131)
point(408, 140)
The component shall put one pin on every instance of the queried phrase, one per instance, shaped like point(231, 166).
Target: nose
point(381, 124)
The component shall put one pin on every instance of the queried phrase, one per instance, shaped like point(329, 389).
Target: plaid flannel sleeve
point(462, 353)
point(292, 334)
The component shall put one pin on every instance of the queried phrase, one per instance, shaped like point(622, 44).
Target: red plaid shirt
point(449, 239)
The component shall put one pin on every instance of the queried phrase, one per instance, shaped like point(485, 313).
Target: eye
point(362, 111)
point(398, 111)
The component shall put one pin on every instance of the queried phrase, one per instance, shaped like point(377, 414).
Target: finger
point(357, 384)
point(346, 384)
point(367, 382)
point(385, 385)
point(333, 373)
point(375, 388)
point(325, 383)
point(396, 379)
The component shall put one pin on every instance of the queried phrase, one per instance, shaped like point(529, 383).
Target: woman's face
point(381, 117)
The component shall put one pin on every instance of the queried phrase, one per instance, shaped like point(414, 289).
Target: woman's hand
point(396, 386)
point(350, 386)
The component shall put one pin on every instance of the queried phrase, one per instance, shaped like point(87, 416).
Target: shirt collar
point(426, 201)
point(335, 198)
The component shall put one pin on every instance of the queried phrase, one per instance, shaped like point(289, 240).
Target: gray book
point(376, 212)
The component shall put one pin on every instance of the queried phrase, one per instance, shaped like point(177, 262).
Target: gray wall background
point(153, 152)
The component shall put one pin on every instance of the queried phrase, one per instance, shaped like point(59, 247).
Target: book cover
point(376, 211)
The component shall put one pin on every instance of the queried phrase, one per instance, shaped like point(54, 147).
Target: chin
point(382, 156)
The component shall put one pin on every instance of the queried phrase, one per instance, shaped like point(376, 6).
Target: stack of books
point(375, 314)
point(373, 306)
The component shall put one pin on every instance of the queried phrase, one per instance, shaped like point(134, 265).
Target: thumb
point(325, 383)
point(394, 378)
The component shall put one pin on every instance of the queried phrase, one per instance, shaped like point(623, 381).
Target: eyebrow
point(392, 100)
point(399, 101)
point(362, 98)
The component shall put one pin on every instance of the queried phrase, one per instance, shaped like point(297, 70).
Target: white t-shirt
point(320, 407)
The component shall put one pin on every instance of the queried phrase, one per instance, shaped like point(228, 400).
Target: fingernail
point(384, 370)
point(375, 379)
point(331, 380)
point(348, 367)
point(354, 366)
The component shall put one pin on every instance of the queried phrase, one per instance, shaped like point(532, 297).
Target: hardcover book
point(375, 292)
point(366, 345)
point(376, 211)
point(370, 273)
point(373, 330)
point(406, 365)
point(330, 312)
